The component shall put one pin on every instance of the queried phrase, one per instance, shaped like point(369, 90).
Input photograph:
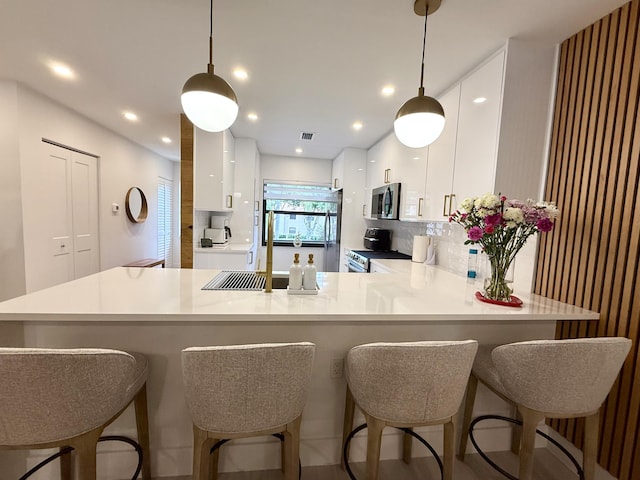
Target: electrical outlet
point(335, 368)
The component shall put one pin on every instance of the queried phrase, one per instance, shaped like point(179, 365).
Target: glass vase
point(497, 285)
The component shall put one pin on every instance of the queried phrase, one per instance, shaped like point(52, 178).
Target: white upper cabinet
point(495, 132)
point(214, 157)
point(337, 172)
point(411, 168)
point(441, 157)
point(478, 128)
point(245, 193)
point(351, 163)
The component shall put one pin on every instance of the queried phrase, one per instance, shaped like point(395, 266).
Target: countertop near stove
point(422, 295)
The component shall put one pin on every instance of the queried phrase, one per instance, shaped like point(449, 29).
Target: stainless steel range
point(377, 242)
point(360, 260)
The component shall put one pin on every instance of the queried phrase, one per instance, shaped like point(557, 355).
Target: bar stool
point(547, 379)
point(64, 398)
point(406, 385)
point(239, 391)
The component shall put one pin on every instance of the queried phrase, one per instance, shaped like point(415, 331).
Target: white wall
point(121, 165)
point(292, 169)
point(12, 277)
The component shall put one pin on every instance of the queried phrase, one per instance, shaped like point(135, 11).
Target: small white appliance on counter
point(217, 235)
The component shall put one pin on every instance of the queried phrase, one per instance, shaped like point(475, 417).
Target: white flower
point(488, 201)
point(513, 216)
point(466, 205)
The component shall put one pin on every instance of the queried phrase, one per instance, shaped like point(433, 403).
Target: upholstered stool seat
point(406, 385)
point(549, 379)
point(246, 391)
point(66, 397)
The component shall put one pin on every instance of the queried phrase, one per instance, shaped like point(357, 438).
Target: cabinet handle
point(444, 206)
point(335, 183)
point(363, 210)
point(453, 195)
point(387, 175)
point(420, 202)
point(257, 206)
point(250, 257)
point(255, 220)
point(229, 201)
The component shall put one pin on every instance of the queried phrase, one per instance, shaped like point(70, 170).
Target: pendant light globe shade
point(209, 102)
point(419, 122)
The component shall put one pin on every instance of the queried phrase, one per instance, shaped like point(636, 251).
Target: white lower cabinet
point(222, 261)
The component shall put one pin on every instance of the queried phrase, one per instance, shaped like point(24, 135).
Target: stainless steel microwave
point(385, 202)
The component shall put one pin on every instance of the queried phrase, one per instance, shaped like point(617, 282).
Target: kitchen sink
point(246, 281)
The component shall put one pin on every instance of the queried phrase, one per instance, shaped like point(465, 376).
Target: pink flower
point(544, 225)
point(493, 220)
point(489, 229)
point(475, 234)
point(503, 198)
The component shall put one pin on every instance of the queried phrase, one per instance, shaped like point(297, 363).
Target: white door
point(84, 198)
point(69, 217)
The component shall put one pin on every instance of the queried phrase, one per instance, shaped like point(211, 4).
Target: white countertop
point(231, 248)
point(423, 294)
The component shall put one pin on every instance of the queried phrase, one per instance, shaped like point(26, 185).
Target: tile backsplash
point(451, 252)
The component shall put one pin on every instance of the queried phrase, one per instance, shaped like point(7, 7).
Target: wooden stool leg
point(292, 449)
point(349, 411)
point(374, 441)
point(142, 426)
point(472, 387)
point(213, 460)
point(590, 448)
point(85, 453)
point(449, 448)
point(516, 433)
point(65, 465)
point(530, 420)
point(201, 447)
point(407, 447)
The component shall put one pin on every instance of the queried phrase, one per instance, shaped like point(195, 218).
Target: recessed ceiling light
point(479, 100)
point(357, 125)
point(388, 90)
point(360, 169)
point(130, 116)
point(298, 150)
point(62, 71)
point(241, 73)
point(252, 116)
point(165, 140)
point(416, 158)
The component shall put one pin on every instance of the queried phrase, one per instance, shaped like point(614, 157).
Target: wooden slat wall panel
point(186, 192)
point(591, 258)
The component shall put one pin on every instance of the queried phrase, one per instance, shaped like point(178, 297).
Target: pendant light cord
point(211, 33)
point(424, 43)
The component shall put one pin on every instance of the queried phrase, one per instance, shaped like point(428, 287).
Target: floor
point(547, 467)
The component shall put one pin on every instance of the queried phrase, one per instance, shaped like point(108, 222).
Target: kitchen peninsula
point(161, 311)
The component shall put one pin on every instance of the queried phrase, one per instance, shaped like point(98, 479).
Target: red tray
point(515, 301)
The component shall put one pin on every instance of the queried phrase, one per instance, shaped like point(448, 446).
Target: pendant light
point(420, 121)
point(207, 99)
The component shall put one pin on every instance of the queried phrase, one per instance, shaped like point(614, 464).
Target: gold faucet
point(269, 271)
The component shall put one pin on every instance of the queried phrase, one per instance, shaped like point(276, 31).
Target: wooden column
point(186, 192)
point(591, 258)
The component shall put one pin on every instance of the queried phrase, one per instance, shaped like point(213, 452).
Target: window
point(299, 211)
point(165, 218)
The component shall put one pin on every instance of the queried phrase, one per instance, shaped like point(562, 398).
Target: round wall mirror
point(136, 205)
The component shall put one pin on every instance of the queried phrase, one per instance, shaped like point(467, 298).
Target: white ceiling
point(314, 66)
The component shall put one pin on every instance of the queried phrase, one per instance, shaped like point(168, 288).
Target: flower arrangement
point(502, 227)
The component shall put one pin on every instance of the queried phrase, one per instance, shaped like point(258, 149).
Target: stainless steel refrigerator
point(332, 221)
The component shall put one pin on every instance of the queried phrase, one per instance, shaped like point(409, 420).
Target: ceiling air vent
point(307, 136)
